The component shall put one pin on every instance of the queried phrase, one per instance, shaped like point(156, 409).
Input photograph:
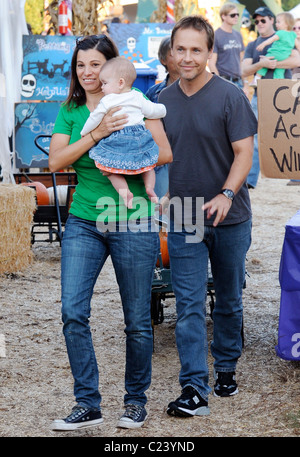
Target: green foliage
point(34, 13)
point(287, 5)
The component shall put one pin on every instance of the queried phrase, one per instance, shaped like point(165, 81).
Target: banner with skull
point(139, 43)
point(46, 67)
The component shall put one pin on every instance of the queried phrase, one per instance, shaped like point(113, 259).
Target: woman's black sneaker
point(190, 403)
point(225, 385)
point(79, 417)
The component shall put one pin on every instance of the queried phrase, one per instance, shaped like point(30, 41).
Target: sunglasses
point(257, 21)
point(90, 37)
point(234, 15)
point(296, 28)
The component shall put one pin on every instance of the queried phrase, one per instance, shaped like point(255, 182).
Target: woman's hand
point(164, 204)
point(110, 123)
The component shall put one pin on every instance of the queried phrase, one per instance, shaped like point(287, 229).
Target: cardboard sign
point(279, 128)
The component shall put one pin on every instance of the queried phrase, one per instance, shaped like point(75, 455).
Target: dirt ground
point(35, 380)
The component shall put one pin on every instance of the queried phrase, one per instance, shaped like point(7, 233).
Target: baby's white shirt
point(133, 103)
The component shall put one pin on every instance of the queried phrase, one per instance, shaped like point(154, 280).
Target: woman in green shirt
point(100, 225)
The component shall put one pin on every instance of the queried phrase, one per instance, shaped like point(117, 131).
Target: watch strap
point(228, 194)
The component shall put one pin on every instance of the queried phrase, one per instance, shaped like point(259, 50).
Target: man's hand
point(268, 62)
point(219, 204)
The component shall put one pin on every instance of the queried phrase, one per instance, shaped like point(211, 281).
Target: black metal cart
point(162, 289)
point(49, 219)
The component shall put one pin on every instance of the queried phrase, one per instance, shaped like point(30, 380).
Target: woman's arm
point(159, 135)
point(62, 154)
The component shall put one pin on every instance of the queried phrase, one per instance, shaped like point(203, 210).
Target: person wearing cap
point(254, 60)
point(228, 47)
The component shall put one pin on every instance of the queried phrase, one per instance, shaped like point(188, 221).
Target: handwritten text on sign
point(279, 128)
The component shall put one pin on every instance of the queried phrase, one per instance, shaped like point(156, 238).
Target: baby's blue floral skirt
point(131, 148)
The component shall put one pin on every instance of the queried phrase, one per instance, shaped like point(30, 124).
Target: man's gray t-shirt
point(200, 129)
point(228, 46)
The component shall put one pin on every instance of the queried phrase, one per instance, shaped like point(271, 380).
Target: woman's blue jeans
point(84, 251)
point(162, 180)
point(226, 246)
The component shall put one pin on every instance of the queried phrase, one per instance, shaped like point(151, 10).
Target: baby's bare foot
point(151, 194)
point(127, 197)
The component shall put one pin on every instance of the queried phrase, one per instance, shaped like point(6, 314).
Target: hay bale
point(17, 205)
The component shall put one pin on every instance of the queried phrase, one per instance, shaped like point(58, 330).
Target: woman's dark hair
point(198, 23)
point(101, 43)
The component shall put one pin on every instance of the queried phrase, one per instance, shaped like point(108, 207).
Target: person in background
point(296, 28)
point(166, 59)
point(228, 47)
point(88, 240)
point(253, 61)
point(212, 145)
point(282, 43)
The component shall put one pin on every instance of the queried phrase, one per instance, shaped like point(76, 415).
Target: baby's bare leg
point(120, 184)
point(149, 181)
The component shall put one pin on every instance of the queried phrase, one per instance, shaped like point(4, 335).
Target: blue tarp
point(288, 347)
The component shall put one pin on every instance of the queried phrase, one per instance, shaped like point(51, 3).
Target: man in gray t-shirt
point(210, 127)
point(201, 130)
point(228, 47)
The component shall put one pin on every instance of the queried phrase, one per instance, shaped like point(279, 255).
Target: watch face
point(228, 193)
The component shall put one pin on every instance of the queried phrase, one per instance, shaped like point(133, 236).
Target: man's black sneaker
point(79, 417)
point(133, 417)
point(225, 385)
point(190, 403)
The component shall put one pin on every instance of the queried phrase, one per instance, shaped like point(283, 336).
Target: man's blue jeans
point(226, 246)
point(255, 169)
point(84, 251)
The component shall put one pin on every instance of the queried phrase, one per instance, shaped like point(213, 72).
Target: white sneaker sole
point(128, 423)
point(178, 411)
point(202, 411)
point(60, 424)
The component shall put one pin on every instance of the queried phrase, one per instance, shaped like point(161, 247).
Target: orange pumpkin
point(163, 236)
point(42, 196)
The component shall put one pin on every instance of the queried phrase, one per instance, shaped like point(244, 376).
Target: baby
point(132, 149)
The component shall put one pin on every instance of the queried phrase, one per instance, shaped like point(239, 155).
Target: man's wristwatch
point(228, 194)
